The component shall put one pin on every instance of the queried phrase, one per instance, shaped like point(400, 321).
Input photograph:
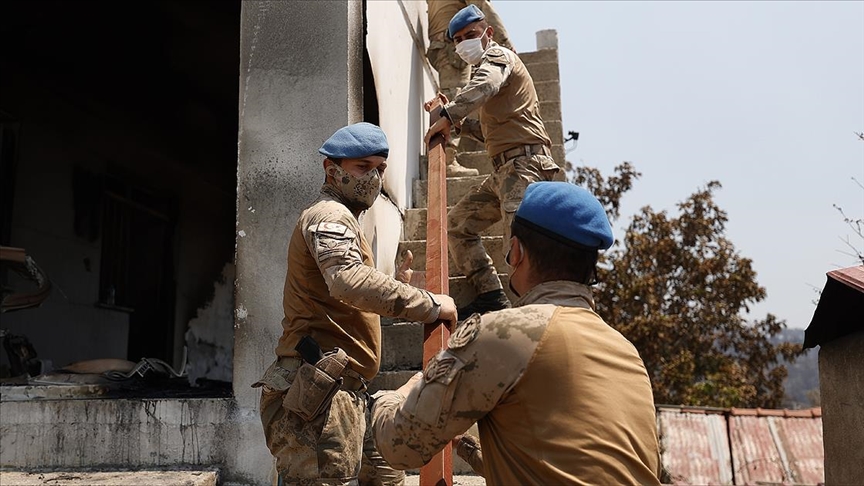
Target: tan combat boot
point(454, 168)
point(457, 170)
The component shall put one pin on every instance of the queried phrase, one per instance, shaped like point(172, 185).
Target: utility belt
point(312, 380)
point(351, 380)
point(502, 158)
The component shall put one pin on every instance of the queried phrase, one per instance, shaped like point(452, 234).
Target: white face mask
point(471, 50)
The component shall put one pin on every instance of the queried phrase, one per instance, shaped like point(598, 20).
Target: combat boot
point(486, 302)
point(455, 169)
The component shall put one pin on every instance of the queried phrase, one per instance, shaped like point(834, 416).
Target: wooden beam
point(438, 471)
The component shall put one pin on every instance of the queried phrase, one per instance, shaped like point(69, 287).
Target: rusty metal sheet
point(741, 446)
point(776, 446)
point(754, 455)
point(800, 443)
point(695, 446)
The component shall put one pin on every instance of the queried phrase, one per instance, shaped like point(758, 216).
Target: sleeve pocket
point(431, 403)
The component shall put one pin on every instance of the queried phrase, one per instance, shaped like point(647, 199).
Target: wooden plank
point(438, 471)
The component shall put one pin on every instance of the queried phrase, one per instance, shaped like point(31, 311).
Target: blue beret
point(464, 17)
point(356, 141)
point(567, 213)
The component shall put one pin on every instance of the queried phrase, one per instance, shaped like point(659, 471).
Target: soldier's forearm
point(370, 290)
point(385, 425)
point(485, 83)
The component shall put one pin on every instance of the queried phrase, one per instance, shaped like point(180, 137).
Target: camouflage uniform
point(516, 140)
point(453, 72)
point(558, 395)
point(334, 294)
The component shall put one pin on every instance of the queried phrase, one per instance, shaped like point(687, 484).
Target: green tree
point(676, 287)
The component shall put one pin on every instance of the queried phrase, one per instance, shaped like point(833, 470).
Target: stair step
point(548, 91)
point(543, 55)
point(463, 293)
point(493, 245)
point(456, 188)
point(391, 380)
point(414, 227)
point(482, 162)
point(402, 346)
point(477, 160)
point(550, 111)
point(460, 290)
point(543, 71)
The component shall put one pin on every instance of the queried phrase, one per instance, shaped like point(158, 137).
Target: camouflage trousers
point(496, 199)
point(334, 448)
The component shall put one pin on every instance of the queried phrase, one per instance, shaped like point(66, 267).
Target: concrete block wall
point(543, 66)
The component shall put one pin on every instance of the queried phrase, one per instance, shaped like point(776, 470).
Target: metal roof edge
point(851, 276)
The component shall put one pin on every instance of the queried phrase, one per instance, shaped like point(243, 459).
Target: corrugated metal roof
point(695, 446)
point(741, 446)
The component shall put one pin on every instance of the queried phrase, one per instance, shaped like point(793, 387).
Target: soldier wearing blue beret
point(453, 72)
point(559, 397)
point(502, 92)
point(313, 398)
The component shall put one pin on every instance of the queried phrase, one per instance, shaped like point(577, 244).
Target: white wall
point(402, 84)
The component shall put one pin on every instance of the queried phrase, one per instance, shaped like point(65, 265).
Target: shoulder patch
point(331, 240)
point(442, 368)
point(438, 368)
point(331, 228)
point(465, 332)
point(497, 55)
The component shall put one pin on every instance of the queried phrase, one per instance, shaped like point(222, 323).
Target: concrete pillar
point(547, 39)
point(300, 80)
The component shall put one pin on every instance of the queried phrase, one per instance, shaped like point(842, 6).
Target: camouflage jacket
point(559, 397)
point(503, 91)
point(333, 291)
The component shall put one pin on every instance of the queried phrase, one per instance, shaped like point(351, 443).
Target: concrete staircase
point(403, 341)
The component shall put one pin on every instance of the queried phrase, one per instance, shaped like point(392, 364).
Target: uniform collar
point(330, 192)
point(558, 292)
point(490, 45)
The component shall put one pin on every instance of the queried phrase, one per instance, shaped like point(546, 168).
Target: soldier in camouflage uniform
point(511, 128)
point(559, 396)
point(453, 72)
point(315, 419)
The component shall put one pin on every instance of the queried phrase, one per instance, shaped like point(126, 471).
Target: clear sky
point(761, 96)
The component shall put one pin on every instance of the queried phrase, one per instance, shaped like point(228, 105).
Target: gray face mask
point(360, 192)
